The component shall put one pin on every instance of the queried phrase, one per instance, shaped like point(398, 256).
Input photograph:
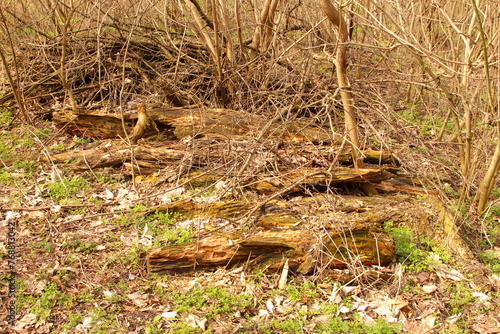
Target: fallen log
point(296, 179)
point(215, 135)
point(151, 157)
point(192, 122)
point(154, 156)
point(321, 232)
point(305, 251)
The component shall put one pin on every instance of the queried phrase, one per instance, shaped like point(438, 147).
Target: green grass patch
point(211, 300)
point(337, 325)
point(64, 191)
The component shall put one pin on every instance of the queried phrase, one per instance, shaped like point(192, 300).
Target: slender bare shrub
point(447, 48)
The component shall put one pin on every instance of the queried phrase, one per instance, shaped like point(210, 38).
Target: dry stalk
point(488, 181)
point(453, 45)
point(214, 44)
point(457, 74)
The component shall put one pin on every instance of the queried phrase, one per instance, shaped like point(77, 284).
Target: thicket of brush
point(423, 74)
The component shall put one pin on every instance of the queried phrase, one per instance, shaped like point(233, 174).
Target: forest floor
point(80, 239)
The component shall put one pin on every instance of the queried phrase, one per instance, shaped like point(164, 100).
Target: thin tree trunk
point(336, 18)
point(486, 185)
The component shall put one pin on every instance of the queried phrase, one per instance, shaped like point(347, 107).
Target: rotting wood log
point(114, 154)
point(154, 156)
point(192, 122)
point(296, 179)
point(324, 231)
point(305, 251)
point(335, 212)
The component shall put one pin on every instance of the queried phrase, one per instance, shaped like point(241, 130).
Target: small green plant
point(183, 328)
point(450, 191)
point(40, 133)
point(81, 141)
point(25, 167)
point(44, 245)
point(303, 292)
point(105, 320)
point(106, 175)
point(491, 260)
point(20, 174)
point(293, 293)
point(154, 327)
point(96, 201)
point(461, 297)
point(491, 227)
point(165, 218)
point(160, 226)
point(86, 296)
point(355, 326)
point(257, 276)
point(50, 298)
point(409, 250)
point(80, 246)
point(276, 325)
point(6, 177)
point(73, 320)
point(329, 308)
point(176, 236)
point(62, 190)
point(57, 147)
point(5, 117)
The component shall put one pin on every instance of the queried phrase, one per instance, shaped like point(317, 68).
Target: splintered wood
point(312, 233)
point(304, 250)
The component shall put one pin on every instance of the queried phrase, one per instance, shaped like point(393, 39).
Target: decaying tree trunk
point(155, 156)
point(192, 122)
point(305, 251)
point(313, 233)
point(215, 131)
